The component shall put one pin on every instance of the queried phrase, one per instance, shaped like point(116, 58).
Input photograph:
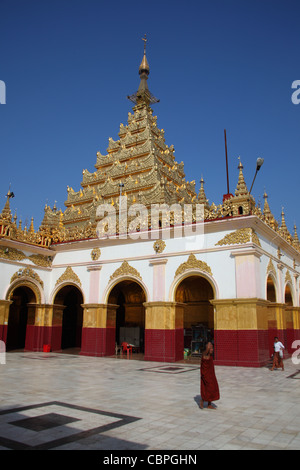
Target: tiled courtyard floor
point(66, 401)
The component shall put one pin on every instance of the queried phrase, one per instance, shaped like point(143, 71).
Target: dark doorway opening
point(130, 314)
point(18, 318)
point(71, 298)
point(196, 292)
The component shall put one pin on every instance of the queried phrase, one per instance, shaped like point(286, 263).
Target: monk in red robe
point(209, 388)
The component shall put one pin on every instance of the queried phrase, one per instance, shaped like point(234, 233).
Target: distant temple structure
point(105, 271)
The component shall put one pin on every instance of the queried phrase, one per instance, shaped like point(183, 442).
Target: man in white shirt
point(278, 354)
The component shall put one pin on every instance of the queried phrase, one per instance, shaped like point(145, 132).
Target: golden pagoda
point(139, 165)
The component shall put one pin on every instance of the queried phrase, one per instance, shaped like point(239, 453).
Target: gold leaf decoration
point(68, 275)
point(159, 246)
point(193, 263)
point(17, 255)
point(11, 254)
point(95, 254)
point(27, 272)
point(125, 269)
point(41, 260)
point(240, 236)
point(288, 277)
point(271, 268)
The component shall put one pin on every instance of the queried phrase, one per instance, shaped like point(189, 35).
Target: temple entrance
point(271, 291)
point(130, 314)
point(196, 292)
point(272, 318)
point(288, 297)
point(71, 299)
point(19, 316)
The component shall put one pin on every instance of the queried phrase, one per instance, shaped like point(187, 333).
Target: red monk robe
point(209, 388)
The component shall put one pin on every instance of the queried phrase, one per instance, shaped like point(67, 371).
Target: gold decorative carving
point(27, 272)
point(125, 269)
point(95, 254)
point(288, 277)
point(159, 246)
point(41, 260)
point(17, 255)
point(271, 268)
point(11, 254)
point(68, 275)
point(193, 263)
point(240, 236)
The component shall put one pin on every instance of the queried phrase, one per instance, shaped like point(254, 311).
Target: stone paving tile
point(133, 405)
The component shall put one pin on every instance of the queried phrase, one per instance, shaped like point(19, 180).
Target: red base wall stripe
point(164, 345)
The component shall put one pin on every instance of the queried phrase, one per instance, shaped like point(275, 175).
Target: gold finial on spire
point(6, 212)
point(144, 67)
point(145, 41)
point(143, 95)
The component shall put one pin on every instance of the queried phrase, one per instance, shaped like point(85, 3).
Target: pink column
point(159, 279)
point(247, 274)
point(94, 291)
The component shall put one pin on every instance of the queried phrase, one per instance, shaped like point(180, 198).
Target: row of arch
point(195, 290)
point(271, 289)
point(128, 294)
point(272, 293)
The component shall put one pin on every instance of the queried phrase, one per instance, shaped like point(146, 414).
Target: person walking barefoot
point(209, 387)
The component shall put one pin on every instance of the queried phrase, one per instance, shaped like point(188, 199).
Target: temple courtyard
point(73, 402)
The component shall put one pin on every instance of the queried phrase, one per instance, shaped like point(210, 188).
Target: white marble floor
point(65, 401)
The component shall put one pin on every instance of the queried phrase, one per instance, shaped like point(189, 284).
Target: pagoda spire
point(31, 229)
point(202, 199)
point(267, 211)
point(6, 212)
point(143, 95)
point(296, 242)
point(283, 228)
point(241, 188)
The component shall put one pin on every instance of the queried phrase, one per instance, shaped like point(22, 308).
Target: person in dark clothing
point(209, 387)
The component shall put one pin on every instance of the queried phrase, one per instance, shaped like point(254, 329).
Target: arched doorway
point(288, 297)
point(68, 301)
point(271, 290)
point(129, 296)
point(272, 313)
point(20, 315)
point(196, 292)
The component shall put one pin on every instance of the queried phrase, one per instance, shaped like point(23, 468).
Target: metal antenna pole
point(226, 162)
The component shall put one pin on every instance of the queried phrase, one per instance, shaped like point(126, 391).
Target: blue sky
point(68, 66)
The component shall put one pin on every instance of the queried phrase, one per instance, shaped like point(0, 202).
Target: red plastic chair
point(126, 348)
